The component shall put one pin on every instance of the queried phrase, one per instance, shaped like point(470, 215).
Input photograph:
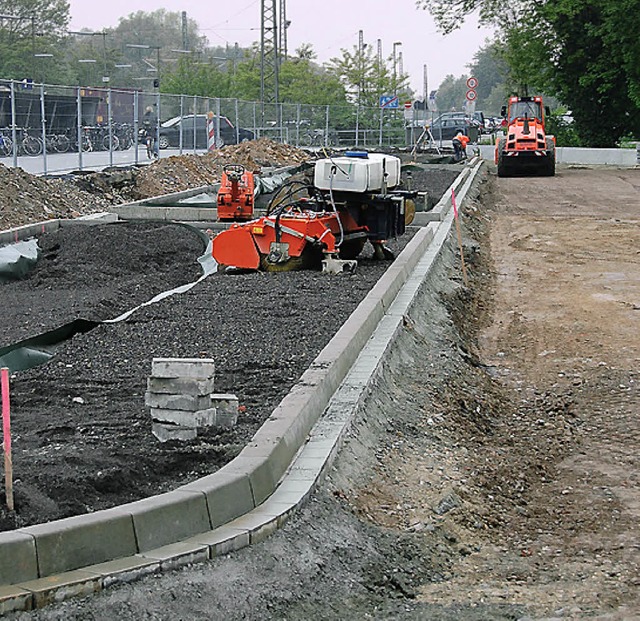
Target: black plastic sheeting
point(39, 349)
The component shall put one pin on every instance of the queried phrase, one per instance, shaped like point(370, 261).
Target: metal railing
point(48, 129)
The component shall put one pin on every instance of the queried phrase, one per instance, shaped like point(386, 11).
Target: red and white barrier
point(211, 132)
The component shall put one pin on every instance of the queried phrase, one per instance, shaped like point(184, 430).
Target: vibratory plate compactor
point(353, 199)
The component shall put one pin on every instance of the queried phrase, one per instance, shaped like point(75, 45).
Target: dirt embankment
point(27, 198)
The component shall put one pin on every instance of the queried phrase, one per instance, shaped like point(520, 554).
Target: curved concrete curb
point(251, 496)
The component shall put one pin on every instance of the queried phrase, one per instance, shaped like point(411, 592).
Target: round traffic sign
point(471, 95)
point(472, 82)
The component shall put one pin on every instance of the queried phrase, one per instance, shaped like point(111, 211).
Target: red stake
point(6, 433)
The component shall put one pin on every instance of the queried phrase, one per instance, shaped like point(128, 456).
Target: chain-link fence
point(50, 129)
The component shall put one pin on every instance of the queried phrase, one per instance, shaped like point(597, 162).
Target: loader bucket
point(235, 247)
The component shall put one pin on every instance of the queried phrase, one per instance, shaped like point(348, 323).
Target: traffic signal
point(156, 83)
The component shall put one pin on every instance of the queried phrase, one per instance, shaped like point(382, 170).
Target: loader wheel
point(502, 164)
point(409, 211)
point(382, 253)
point(550, 164)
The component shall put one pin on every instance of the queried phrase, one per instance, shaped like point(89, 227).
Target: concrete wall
point(585, 157)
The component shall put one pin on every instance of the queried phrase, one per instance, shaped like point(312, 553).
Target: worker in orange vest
point(460, 142)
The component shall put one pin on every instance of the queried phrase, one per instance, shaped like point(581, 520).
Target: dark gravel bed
point(82, 433)
point(97, 272)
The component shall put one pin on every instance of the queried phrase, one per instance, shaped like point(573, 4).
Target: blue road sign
point(388, 101)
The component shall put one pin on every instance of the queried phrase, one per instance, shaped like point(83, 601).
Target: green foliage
point(451, 93)
point(365, 77)
point(303, 82)
point(564, 129)
point(36, 26)
point(585, 52)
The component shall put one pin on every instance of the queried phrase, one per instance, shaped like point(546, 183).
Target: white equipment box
point(357, 174)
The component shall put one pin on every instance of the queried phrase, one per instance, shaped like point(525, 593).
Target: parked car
point(170, 132)
point(447, 125)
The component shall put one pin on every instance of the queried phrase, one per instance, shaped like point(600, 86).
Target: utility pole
point(395, 65)
point(185, 35)
point(269, 57)
point(284, 24)
point(360, 65)
point(425, 93)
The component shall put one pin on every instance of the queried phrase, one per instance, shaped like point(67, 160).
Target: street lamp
point(103, 34)
point(157, 48)
point(88, 61)
point(395, 65)
point(42, 55)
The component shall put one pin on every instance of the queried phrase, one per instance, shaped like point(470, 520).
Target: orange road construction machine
point(526, 148)
point(325, 225)
point(236, 194)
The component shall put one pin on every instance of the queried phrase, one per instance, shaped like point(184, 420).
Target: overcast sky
point(329, 25)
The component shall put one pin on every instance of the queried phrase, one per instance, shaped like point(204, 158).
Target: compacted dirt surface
point(492, 473)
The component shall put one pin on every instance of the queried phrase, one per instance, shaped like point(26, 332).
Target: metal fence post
point(326, 128)
point(136, 124)
point(237, 123)
point(14, 133)
point(43, 127)
point(79, 127)
point(110, 121)
point(180, 133)
point(218, 139)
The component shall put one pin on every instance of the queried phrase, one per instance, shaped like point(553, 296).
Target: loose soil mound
point(25, 198)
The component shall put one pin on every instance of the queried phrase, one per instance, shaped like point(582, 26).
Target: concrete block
point(64, 545)
point(164, 401)
point(18, 560)
point(124, 570)
point(187, 368)
point(180, 386)
point(58, 588)
point(228, 493)
point(13, 598)
point(104, 217)
point(223, 540)
point(168, 518)
point(212, 418)
point(259, 524)
point(226, 407)
point(167, 431)
point(178, 554)
point(264, 464)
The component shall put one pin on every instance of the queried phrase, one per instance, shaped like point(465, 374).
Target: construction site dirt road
point(494, 471)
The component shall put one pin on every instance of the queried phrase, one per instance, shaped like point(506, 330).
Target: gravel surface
point(82, 434)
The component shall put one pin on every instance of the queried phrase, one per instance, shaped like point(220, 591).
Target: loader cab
point(525, 108)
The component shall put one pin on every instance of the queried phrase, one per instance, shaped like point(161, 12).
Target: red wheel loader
point(526, 148)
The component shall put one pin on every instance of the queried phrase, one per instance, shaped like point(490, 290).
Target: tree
point(583, 51)
point(365, 77)
point(26, 28)
point(451, 93)
point(491, 71)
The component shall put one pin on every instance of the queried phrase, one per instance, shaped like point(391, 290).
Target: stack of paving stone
point(180, 395)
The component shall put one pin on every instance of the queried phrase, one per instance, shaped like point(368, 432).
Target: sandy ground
point(493, 472)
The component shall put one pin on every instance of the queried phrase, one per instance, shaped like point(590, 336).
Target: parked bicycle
point(319, 138)
point(6, 144)
point(58, 143)
point(29, 144)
